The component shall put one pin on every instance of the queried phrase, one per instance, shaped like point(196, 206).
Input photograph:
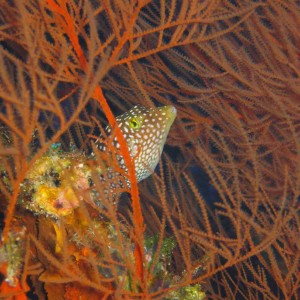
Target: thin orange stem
point(12, 204)
point(69, 26)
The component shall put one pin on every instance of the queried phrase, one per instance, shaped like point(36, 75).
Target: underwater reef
point(149, 149)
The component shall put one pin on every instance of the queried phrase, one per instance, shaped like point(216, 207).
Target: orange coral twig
point(68, 25)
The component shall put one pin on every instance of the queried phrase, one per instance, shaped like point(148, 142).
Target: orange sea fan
point(223, 208)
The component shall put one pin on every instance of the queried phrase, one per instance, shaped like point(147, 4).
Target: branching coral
point(227, 190)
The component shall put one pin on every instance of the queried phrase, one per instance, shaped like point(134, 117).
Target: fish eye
point(134, 123)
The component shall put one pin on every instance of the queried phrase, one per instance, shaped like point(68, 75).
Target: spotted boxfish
point(145, 131)
point(54, 184)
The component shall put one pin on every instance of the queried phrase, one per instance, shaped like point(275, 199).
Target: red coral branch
point(68, 25)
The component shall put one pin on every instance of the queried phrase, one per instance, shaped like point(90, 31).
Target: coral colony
point(55, 184)
point(219, 217)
